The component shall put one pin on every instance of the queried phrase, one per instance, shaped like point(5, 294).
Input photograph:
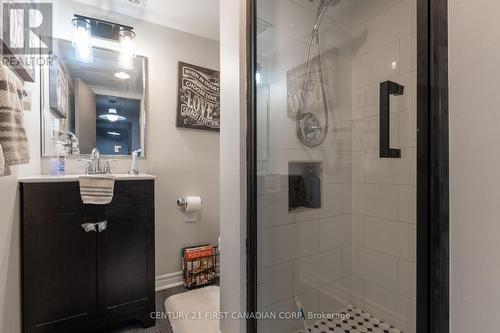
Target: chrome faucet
point(93, 165)
point(72, 144)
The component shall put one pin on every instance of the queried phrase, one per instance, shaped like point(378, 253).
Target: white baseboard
point(169, 281)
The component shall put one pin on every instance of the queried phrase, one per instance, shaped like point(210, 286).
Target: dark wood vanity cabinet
point(78, 281)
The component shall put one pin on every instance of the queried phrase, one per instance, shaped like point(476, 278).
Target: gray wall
point(9, 222)
point(474, 160)
point(85, 116)
point(186, 162)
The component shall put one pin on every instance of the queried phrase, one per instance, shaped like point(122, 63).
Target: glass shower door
point(336, 160)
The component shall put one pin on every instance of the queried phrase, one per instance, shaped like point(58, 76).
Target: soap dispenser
point(134, 165)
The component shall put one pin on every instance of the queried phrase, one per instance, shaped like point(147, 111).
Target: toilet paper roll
point(193, 209)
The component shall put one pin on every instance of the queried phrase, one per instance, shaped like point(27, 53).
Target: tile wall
point(359, 248)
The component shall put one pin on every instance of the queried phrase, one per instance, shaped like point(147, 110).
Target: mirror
point(92, 104)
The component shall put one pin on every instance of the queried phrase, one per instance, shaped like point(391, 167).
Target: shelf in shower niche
point(8, 58)
point(304, 186)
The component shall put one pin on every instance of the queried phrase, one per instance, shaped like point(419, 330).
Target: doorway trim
point(432, 167)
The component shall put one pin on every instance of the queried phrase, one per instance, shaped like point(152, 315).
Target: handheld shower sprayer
point(308, 125)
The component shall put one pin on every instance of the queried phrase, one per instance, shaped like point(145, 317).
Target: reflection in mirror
point(93, 104)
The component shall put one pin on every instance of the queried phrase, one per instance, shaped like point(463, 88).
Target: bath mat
point(358, 321)
point(194, 311)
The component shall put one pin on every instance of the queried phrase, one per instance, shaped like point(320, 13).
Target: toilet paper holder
point(181, 202)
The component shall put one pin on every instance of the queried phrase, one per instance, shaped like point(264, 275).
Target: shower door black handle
point(387, 89)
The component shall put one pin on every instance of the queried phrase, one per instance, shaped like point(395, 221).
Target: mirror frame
point(144, 113)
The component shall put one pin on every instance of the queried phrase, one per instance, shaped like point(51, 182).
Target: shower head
point(323, 6)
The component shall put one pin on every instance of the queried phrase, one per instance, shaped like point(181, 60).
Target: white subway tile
point(406, 101)
point(407, 276)
point(376, 267)
point(337, 167)
point(387, 27)
point(391, 237)
point(346, 258)
point(378, 200)
point(375, 66)
point(347, 198)
point(386, 305)
point(358, 227)
point(407, 129)
point(335, 296)
point(334, 232)
point(276, 284)
point(284, 243)
point(272, 209)
point(408, 53)
point(316, 270)
point(331, 204)
point(388, 170)
point(407, 204)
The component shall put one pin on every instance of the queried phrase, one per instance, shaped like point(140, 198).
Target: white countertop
point(74, 178)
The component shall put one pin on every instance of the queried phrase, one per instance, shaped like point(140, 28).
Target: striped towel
point(13, 138)
point(97, 190)
point(4, 171)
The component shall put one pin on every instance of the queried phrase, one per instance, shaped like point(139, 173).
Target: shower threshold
point(358, 321)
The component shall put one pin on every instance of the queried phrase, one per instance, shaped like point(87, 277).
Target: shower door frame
point(432, 167)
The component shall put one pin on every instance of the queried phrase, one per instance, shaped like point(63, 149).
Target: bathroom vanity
point(78, 280)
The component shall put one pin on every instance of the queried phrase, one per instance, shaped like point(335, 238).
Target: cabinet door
point(58, 274)
point(125, 258)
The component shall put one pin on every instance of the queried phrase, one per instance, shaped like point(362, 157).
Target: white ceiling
point(199, 17)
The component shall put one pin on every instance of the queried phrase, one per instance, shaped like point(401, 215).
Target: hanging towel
point(13, 138)
point(3, 168)
point(97, 190)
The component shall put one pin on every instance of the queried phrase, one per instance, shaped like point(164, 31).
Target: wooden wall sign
point(198, 98)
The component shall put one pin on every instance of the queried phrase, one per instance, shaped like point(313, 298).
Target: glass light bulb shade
point(258, 78)
point(122, 76)
point(112, 117)
point(81, 42)
point(127, 52)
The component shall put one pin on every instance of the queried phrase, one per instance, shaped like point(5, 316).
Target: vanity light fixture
point(81, 40)
point(126, 58)
point(112, 116)
point(87, 27)
point(122, 76)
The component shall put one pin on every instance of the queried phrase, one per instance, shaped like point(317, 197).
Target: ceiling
point(199, 17)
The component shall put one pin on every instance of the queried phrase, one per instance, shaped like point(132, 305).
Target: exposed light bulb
point(126, 57)
point(258, 78)
point(112, 116)
point(122, 76)
point(81, 41)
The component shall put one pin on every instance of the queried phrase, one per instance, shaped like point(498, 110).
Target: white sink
point(74, 178)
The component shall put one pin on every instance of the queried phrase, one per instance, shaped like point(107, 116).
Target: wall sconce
point(81, 40)
point(126, 59)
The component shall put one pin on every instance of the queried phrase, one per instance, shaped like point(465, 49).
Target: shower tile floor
point(359, 321)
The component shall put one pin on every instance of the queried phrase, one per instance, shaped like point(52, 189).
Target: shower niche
point(304, 185)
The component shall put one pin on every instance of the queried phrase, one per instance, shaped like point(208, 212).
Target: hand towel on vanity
point(13, 138)
point(97, 190)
